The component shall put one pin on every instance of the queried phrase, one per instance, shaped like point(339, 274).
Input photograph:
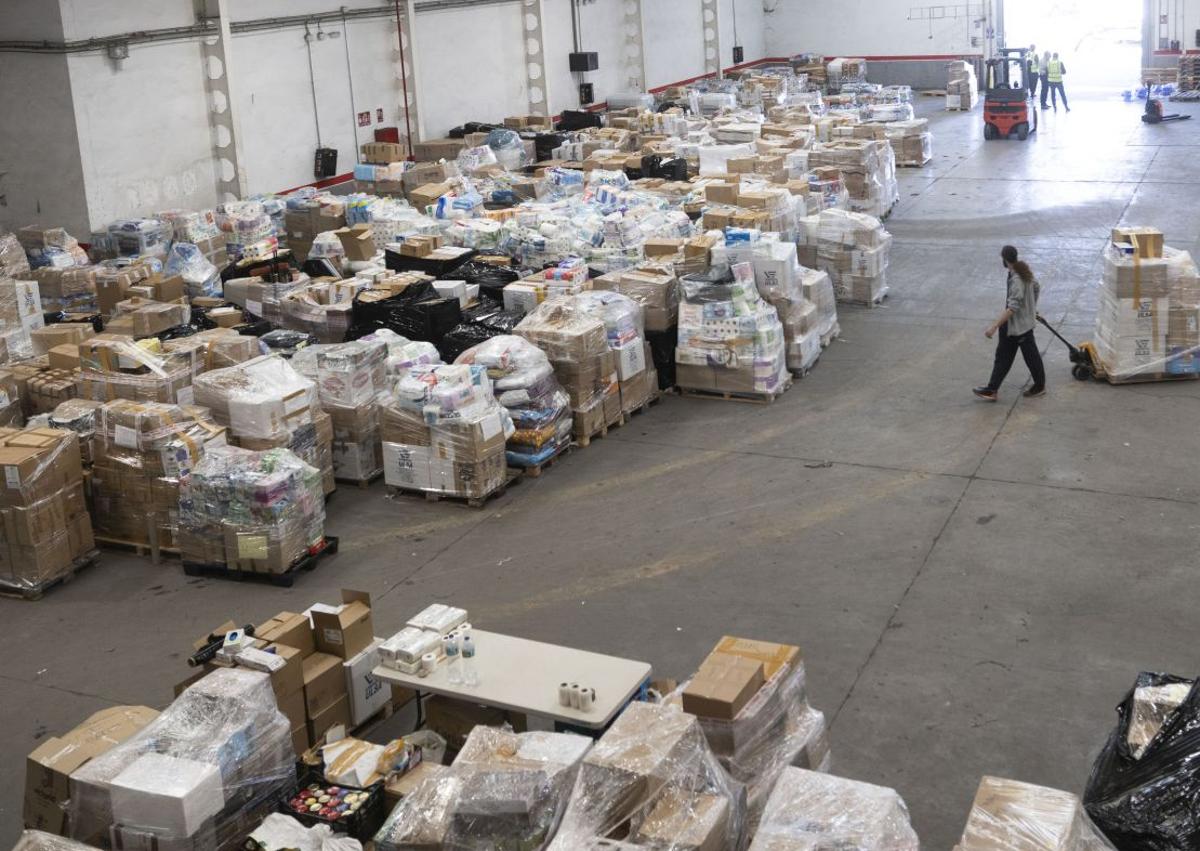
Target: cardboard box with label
point(345, 630)
point(324, 682)
point(368, 694)
point(291, 629)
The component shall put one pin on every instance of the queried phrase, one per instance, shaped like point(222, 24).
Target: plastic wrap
point(625, 330)
point(652, 777)
point(79, 416)
point(13, 262)
point(139, 317)
point(1023, 817)
point(730, 340)
point(314, 309)
point(113, 367)
point(504, 790)
point(1148, 317)
point(44, 524)
point(655, 289)
point(403, 354)
point(444, 432)
point(264, 399)
point(216, 348)
point(248, 228)
point(139, 237)
point(283, 833)
point(20, 313)
point(142, 452)
point(201, 277)
point(1149, 802)
point(251, 511)
point(855, 250)
point(51, 247)
point(37, 840)
point(809, 810)
point(524, 383)
point(201, 775)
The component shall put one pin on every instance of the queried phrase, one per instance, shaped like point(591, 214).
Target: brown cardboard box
point(455, 719)
point(324, 682)
point(773, 657)
point(70, 333)
point(357, 242)
point(722, 193)
point(423, 196)
point(336, 713)
point(1148, 242)
point(722, 686)
point(663, 247)
point(437, 149)
point(399, 786)
point(65, 356)
point(300, 740)
point(293, 708)
point(686, 822)
point(350, 631)
point(290, 679)
point(50, 765)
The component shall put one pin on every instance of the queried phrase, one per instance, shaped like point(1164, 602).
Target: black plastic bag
point(1151, 803)
point(287, 342)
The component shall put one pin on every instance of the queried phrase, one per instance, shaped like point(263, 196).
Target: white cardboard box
point(367, 694)
point(167, 793)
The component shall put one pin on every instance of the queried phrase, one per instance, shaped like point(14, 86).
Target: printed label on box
point(490, 426)
point(333, 636)
point(12, 476)
point(255, 307)
point(185, 395)
point(126, 436)
point(252, 546)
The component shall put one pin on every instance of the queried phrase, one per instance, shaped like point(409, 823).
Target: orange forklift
point(1008, 107)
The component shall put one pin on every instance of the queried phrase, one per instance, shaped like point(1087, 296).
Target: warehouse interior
point(974, 586)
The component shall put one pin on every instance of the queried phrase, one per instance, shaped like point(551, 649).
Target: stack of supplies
point(444, 433)
point(20, 314)
point(112, 366)
point(962, 87)
point(142, 451)
point(730, 340)
point(524, 383)
point(317, 310)
point(854, 249)
point(626, 334)
point(1009, 814)
point(257, 512)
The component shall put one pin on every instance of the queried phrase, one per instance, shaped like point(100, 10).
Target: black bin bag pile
point(1144, 789)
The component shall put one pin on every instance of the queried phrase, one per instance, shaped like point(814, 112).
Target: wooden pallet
point(876, 302)
point(933, 93)
point(727, 396)
point(514, 475)
point(645, 406)
point(361, 484)
point(1152, 378)
point(140, 548)
point(803, 373)
point(38, 591)
point(586, 440)
point(304, 564)
point(921, 164)
point(535, 471)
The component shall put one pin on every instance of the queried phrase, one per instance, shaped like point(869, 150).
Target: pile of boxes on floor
point(733, 758)
point(962, 85)
point(1148, 317)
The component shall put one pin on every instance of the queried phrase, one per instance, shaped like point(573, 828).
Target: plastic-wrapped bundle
point(625, 329)
point(284, 833)
point(138, 237)
point(504, 790)
point(20, 313)
point(313, 309)
point(79, 416)
point(265, 398)
point(71, 290)
point(253, 511)
point(524, 383)
point(652, 777)
point(286, 343)
point(888, 112)
point(13, 262)
point(115, 367)
point(246, 224)
point(1149, 801)
point(1023, 817)
point(479, 324)
point(855, 250)
point(444, 432)
point(199, 776)
point(350, 378)
point(142, 451)
point(576, 342)
point(37, 840)
point(403, 354)
point(201, 277)
point(51, 247)
point(809, 810)
point(1148, 318)
point(730, 340)
point(189, 226)
point(911, 141)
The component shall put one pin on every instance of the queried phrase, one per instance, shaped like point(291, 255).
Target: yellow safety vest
point(1054, 71)
point(1033, 64)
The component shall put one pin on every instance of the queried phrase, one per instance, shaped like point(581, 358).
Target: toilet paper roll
point(574, 687)
point(587, 697)
point(564, 694)
point(428, 662)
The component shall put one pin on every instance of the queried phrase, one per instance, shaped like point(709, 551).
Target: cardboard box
point(65, 357)
point(292, 706)
point(357, 242)
point(1147, 242)
point(722, 686)
point(289, 628)
point(49, 767)
point(423, 196)
point(290, 679)
point(337, 713)
point(722, 193)
point(346, 630)
point(61, 333)
point(774, 657)
point(367, 693)
point(324, 683)
point(682, 820)
point(437, 149)
point(171, 794)
point(454, 719)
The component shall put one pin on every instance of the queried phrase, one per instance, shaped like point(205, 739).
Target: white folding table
point(523, 676)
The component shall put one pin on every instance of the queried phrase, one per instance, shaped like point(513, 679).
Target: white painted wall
point(862, 27)
point(674, 38)
point(750, 29)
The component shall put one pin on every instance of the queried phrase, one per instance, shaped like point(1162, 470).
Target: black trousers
point(1033, 83)
point(1045, 89)
point(1056, 89)
point(1006, 353)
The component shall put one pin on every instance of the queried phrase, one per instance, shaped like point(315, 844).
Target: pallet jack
point(1085, 364)
point(1154, 111)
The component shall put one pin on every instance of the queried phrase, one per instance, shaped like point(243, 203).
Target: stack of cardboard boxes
point(142, 317)
point(71, 289)
point(911, 141)
point(49, 767)
point(854, 249)
point(250, 512)
point(1009, 814)
point(317, 310)
point(653, 286)
point(868, 170)
point(45, 528)
point(267, 404)
point(730, 340)
point(350, 378)
point(962, 87)
point(305, 223)
point(1148, 319)
point(637, 379)
point(216, 348)
point(141, 452)
point(444, 433)
point(113, 366)
point(259, 297)
point(576, 343)
point(20, 314)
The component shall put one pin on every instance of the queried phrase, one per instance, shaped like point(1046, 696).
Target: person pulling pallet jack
point(1154, 111)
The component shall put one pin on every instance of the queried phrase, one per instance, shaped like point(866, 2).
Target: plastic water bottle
point(450, 645)
point(469, 675)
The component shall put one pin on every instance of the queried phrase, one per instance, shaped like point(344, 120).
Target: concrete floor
point(974, 586)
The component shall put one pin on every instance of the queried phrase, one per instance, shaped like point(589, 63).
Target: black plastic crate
point(362, 824)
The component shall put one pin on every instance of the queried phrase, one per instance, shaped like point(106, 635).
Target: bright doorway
point(1100, 41)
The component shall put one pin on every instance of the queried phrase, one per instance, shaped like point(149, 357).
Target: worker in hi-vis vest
point(1033, 70)
point(1054, 79)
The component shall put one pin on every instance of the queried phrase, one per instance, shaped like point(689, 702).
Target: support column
point(408, 118)
point(227, 159)
point(633, 52)
point(711, 10)
point(536, 81)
